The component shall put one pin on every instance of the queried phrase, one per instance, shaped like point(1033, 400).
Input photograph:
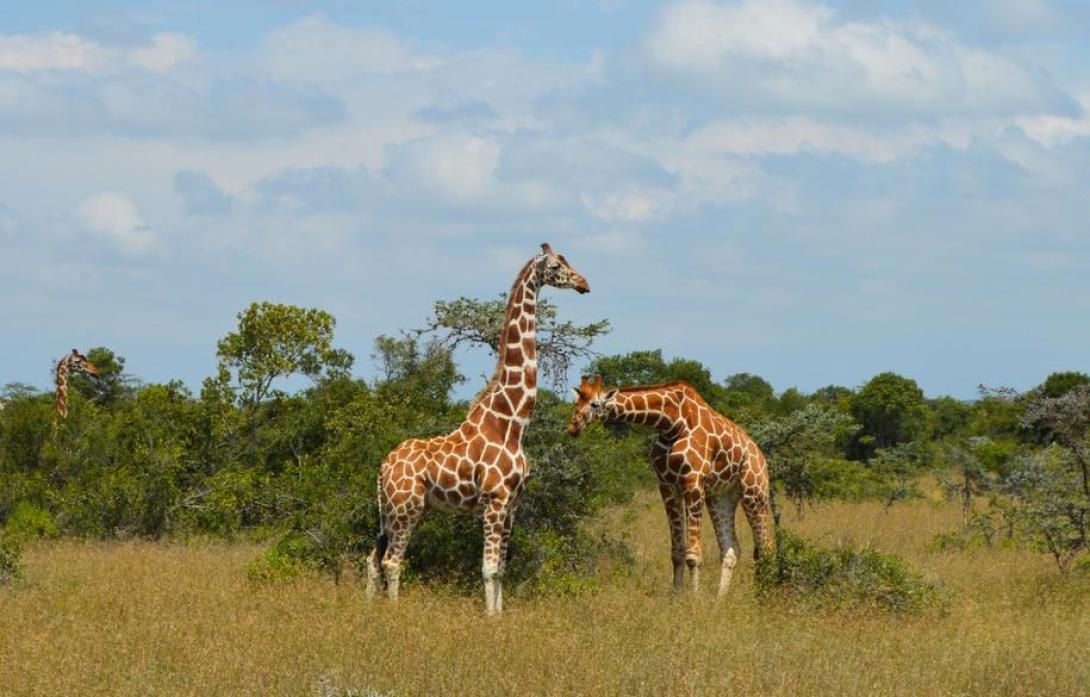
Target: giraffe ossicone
point(479, 467)
point(701, 458)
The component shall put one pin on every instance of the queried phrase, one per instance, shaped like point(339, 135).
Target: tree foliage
point(560, 343)
point(890, 410)
point(275, 341)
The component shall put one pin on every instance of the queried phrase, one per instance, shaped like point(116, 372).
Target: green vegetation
point(248, 457)
point(843, 576)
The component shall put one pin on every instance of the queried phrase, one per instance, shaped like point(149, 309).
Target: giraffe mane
point(498, 371)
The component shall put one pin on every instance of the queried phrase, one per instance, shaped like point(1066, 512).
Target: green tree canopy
point(111, 385)
point(890, 409)
point(649, 367)
point(1059, 384)
point(274, 341)
point(479, 322)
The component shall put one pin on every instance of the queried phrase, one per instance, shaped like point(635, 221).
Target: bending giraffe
point(479, 467)
point(74, 362)
point(701, 458)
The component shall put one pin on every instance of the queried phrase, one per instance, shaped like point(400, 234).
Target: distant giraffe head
point(74, 362)
point(554, 270)
point(78, 363)
point(591, 400)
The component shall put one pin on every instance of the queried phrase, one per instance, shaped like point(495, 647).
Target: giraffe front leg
point(495, 519)
point(508, 526)
point(672, 503)
point(722, 511)
point(692, 501)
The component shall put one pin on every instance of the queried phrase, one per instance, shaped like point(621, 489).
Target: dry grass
point(171, 619)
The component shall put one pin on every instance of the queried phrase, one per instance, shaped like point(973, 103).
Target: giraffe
point(701, 458)
point(73, 362)
point(480, 466)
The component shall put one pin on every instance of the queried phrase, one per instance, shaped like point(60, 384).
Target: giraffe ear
point(610, 395)
point(575, 391)
point(546, 248)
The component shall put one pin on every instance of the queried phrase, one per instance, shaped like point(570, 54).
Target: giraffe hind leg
point(376, 579)
point(722, 511)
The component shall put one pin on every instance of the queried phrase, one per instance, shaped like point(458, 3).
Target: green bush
point(844, 480)
point(843, 576)
point(28, 522)
point(287, 559)
point(10, 550)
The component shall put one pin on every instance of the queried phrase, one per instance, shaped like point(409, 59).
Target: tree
point(480, 322)
point(793, 443)
point(274, 341)
point(890, 409)
point(951, 416)
point(649, 367)
point(1065, 420)
point(423, 376)
point(1059, 384)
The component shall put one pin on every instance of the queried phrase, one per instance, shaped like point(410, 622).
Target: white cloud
point(629, 205)
point(614, 243)
point(30, 53)
point(166, 50)
point(1054, 131)
point(1022, 14)
point(314, 49)
point(799, 54)
point(113, 215)
point(792, 135)
point(54, 51)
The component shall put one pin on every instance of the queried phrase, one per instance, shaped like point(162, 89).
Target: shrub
point(844, 576)
point(10, 549)
point(28, 522)
point(287, 559)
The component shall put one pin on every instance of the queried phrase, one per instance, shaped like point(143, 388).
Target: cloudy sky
point(811, 191)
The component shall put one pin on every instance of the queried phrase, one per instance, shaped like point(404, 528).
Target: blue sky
point(811, 191)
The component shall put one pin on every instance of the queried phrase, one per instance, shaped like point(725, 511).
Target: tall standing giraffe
point(479, 467)
point(74, 362)
point(701, 458)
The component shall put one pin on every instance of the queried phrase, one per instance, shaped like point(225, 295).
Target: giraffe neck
point(511, 393)
point(61, 407)
point(656, 406)
point(516, 366)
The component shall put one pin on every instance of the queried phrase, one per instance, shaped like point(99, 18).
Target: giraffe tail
point(383, 540)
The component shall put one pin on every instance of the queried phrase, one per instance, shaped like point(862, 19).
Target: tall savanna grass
point(137, 618)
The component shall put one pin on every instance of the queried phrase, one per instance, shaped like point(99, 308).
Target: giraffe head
point(554, 270)
point(591, 400)
point(78, 363)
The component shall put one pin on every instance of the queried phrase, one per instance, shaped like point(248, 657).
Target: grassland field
point(143, 618)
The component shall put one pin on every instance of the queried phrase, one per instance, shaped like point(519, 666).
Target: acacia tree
point(793, 442)
point(479, 322)
point(274, 341)
point(1065, 420)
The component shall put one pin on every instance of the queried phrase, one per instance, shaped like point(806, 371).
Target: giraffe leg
point(755, 503)
point(508, 526)
point(675, 518)
point(376, 582)
point(692, 501)
point(722, 511)
point(399, 530)
point(495, 518)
